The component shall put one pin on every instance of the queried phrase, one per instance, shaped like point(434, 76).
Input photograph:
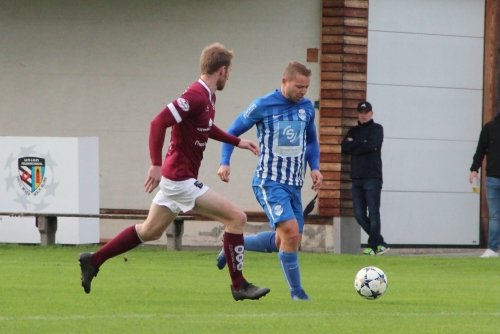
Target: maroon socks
point(123, 242)
point(128, 239)
point(234, 249)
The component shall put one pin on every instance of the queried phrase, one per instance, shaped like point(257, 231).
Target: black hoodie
point(489, 145)
point(365, 150)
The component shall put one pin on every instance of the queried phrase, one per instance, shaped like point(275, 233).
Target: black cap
point(364, 106)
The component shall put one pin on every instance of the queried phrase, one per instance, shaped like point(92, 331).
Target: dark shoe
point(249, 291)
point(221, 260)
point(381, 250)
point(89, 271)
point(300, 295)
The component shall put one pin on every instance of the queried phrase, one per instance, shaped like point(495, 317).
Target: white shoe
point(489, 253)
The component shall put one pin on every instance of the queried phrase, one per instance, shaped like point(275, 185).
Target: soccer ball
point(370, 283)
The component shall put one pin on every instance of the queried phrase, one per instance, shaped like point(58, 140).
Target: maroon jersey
point(192, 120)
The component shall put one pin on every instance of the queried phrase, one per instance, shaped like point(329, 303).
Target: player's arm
point(350, 143)
point(217, 134)
point(481, 150)
point(236, 129)
point(229, 139)
point(312, 155)
point(244, 122)
point(166, 118)
point(184, 107)
point(371, 143)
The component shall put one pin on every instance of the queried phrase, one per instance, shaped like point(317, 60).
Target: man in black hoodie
point(364, 143)
point(489, 145)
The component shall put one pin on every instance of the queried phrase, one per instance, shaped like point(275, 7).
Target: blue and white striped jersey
point(283, 129)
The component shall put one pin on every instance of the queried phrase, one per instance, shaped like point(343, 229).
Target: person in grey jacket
point(364, 143)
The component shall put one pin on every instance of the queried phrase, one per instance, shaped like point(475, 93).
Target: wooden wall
point(343, 85)
point(490, 94)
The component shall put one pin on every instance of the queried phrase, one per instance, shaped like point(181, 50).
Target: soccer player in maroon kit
point(192, 120)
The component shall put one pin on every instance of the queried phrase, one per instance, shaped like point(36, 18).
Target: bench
point(47, 225)
point(346, 231)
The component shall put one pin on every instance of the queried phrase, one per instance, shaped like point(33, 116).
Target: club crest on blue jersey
point(302, 114)
point(278, 209)
point(31, 171)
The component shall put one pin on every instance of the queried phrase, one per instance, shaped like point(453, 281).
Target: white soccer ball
point(370, 283)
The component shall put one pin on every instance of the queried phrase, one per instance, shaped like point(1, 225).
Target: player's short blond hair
point(213, 57)
point(293, 68)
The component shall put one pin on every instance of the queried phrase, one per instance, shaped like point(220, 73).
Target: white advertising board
point(49, 175)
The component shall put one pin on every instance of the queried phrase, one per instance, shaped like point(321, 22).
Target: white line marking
point(254, 315)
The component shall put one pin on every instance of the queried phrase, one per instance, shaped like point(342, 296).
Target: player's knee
point(237, 221)
point(295, 239)
point(148, 234)
point(292, 238)
point(155, 235)
point(240, 219)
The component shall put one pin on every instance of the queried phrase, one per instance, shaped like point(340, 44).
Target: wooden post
point(344, 50)
point(47, 225)
point(490, 91)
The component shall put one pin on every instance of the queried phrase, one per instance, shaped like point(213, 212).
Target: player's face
point(295, 89)
point(364, 116)
point(221, 83)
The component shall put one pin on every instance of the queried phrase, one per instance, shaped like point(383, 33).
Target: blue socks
point(261, 242)
point(289, 263)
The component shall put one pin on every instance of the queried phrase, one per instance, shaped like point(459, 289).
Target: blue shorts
point(281, 202)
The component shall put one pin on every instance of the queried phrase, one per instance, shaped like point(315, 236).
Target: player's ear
point(222, 69)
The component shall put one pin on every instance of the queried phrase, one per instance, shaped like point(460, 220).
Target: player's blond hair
point(213, 57)
point(295, 67)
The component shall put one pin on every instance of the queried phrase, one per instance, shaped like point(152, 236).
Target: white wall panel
point(410, 218)
point(24, 231)
point(427, 165)
point(427, 113)
point(442, 17)
point(425, 80)
point(83, 68)
point(68, 182)
point(425, 60)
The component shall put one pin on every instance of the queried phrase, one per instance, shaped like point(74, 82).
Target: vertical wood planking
point(490, 91)
point(343, 84)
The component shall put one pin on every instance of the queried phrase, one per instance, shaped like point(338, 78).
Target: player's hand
point(249, 145)
point(317, 179)
point(153, 180)
point(472, 176)
point(224, 172)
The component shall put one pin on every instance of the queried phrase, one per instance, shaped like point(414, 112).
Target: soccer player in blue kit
point(286, 131)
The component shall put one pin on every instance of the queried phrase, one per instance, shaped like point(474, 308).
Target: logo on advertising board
point(30, 178)
point(31, 171)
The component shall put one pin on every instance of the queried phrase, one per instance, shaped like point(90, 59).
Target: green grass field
point(160, 291)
